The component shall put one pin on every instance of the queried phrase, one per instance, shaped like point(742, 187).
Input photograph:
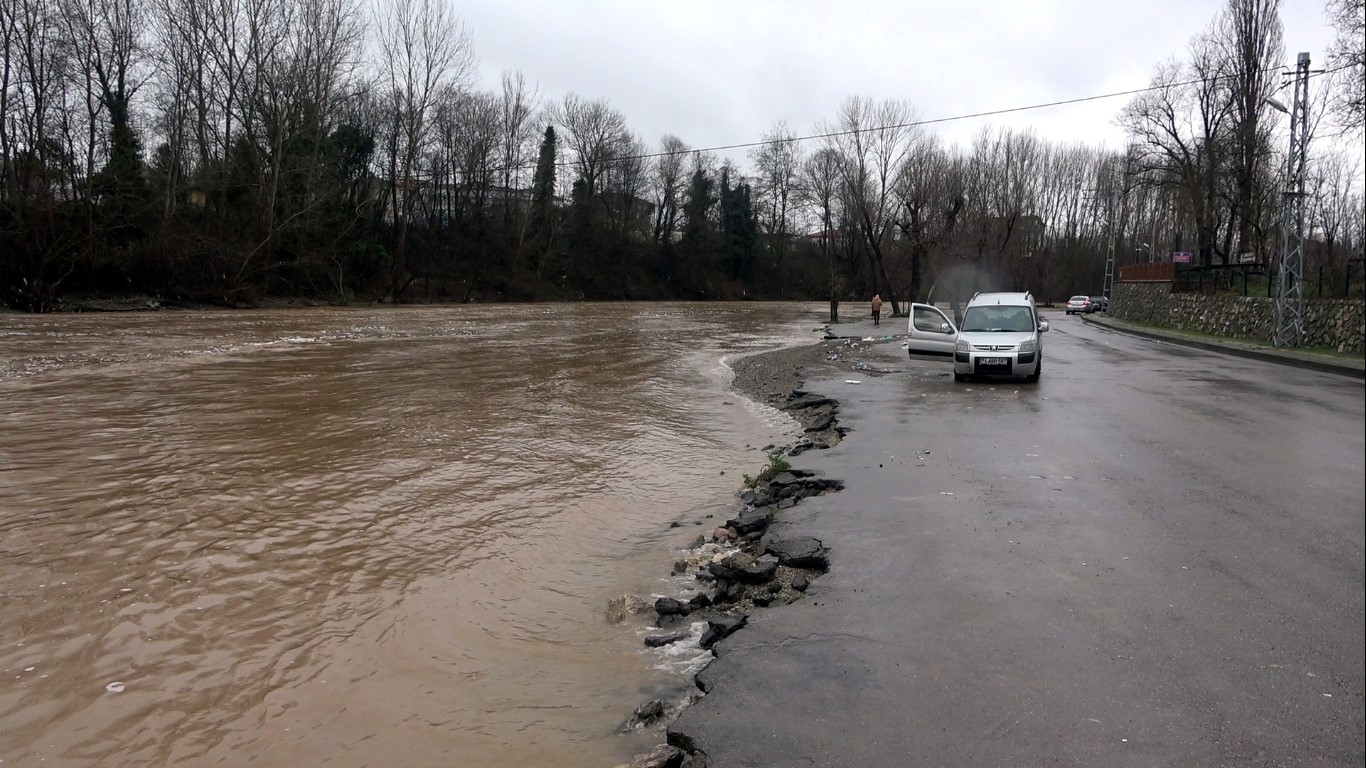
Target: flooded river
point(356, 536)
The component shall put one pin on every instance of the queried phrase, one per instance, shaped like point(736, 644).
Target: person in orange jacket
point(877, 309)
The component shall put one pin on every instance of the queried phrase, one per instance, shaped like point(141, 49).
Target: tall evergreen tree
point(745, 235)
point(739, 227)
point(121, 186)
point(697, 227)
point(697, 243)
point(543, 188)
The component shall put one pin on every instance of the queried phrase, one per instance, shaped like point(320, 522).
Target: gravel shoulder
point(769, 377)
point(729, 559)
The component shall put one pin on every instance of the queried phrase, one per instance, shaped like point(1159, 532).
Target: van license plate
point(992, 361)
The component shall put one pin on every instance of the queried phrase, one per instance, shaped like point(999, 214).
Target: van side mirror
point(1043, 326)
point(945, 328)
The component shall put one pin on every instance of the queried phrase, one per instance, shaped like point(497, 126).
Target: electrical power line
point(931, 121)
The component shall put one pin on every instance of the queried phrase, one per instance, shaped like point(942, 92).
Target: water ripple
point(361, 536)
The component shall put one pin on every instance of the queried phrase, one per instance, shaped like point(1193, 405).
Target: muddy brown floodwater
point(356, 536)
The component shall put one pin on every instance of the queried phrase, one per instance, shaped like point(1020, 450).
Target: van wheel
point(959, 376)
point(1033, 378)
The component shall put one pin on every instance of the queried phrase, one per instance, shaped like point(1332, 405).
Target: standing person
point(877, 309)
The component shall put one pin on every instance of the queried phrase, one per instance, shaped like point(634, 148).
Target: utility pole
point(1289, 293)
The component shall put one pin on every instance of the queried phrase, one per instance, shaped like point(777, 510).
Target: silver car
point(1001, 336)
point(1081, 304)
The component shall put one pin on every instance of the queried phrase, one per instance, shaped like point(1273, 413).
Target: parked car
point(1002, 335)
point(1080, 304)
point(1100, 304)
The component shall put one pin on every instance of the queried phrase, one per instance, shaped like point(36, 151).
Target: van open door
point(931, 334)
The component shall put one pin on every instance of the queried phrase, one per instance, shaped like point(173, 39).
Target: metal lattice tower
point(1109, 284)
point(1109, 272)
point(1289, 291)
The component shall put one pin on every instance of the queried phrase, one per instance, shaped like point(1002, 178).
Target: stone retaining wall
point(1333, 323)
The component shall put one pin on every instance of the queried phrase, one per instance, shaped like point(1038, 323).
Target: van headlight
point(1027, 346)
point(963, 346)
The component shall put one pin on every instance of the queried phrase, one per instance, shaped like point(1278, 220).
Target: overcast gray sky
point(715, 72)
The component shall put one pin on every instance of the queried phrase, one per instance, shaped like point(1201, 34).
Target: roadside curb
point(1238, 351)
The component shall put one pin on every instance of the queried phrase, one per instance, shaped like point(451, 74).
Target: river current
point(357, 537)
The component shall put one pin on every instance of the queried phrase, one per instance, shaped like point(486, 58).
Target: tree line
point(227, 150)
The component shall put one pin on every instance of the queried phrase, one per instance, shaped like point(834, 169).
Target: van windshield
point(998, 319)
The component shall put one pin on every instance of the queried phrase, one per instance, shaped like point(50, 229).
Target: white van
point(1002, 335)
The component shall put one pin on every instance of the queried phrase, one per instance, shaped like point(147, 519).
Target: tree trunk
point(880, 270)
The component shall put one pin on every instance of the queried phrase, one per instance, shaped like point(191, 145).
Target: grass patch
point(777, 462)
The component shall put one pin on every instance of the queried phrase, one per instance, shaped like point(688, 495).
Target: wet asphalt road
point(1154, 557)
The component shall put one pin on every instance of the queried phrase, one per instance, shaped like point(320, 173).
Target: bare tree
point(37, 159)
point(1334, 203)
point(1064, 208)
point(1249, 34)
point(872, 141)
point(819, 183)
point(776, 163)
point(597, 139)
point(1004, 170)
point(1180, 131)
point(186, 85)
point(1348, 54)
point(269, 99)
point(594, 134)
point(624, 182)
point(668, 186)
point(459, 193)
point(518, 136)
point(175, 61)
point(109, 36)
point(325, 63)
point(9, 79)
point(423, 47)
point(465, 148)
point(933, 199)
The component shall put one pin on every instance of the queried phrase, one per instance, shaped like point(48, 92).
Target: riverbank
point(742, 566)
point(484, 478)
point(147, 303)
